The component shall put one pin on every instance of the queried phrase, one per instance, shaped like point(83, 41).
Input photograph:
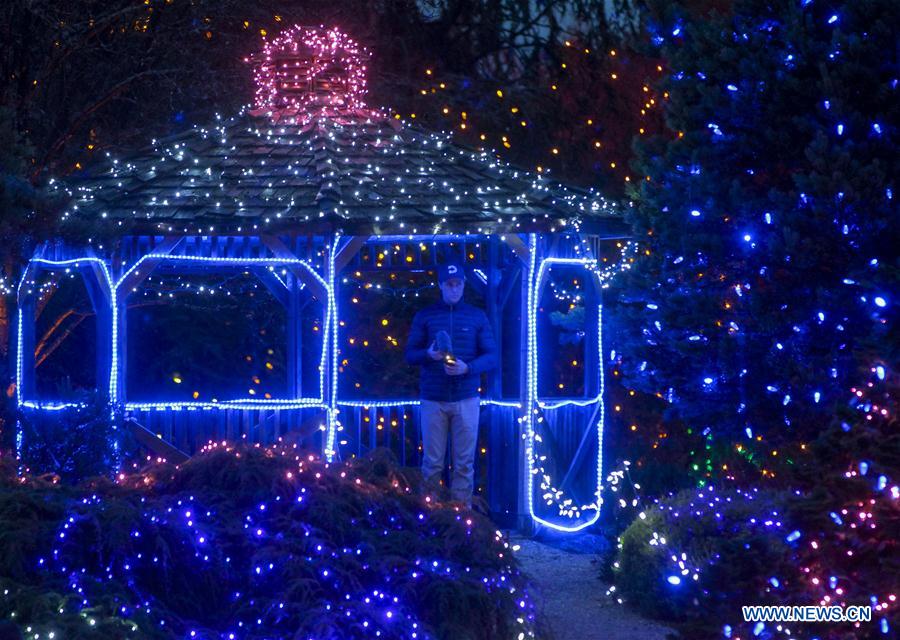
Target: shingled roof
point(333, 166)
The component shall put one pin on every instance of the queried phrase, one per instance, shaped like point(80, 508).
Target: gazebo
point(300, 190)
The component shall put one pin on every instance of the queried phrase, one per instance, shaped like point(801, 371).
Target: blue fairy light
point(675, 580)
point(879, 371)
point(880, 301)
point(695, 213)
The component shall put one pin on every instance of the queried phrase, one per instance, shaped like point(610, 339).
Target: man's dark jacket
point(473, 343)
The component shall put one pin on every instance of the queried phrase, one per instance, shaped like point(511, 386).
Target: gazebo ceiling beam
point(273, 284)
point(137, 276)
point(518, 246)
point(280, 250)
point(346, 253)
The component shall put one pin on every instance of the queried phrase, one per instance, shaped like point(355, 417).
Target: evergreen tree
point(770, 220)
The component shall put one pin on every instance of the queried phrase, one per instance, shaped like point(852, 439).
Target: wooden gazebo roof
point(311, 158)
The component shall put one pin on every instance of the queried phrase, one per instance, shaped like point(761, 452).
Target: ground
point(575, 604)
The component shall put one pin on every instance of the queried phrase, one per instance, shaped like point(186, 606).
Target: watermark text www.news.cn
point(789, 613)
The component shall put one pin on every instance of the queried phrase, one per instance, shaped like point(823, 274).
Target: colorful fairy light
point(252, 559)
point(332, 402)
point(311, 69)
point(531, 418)
point(320, 74)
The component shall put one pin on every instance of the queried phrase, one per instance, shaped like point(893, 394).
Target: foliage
point(725, 543)
point(828, 541)
point(770, 223)
point(76, 444)
point(152, 52)
point(571, 322)
point(85, 78)
point(267, 542)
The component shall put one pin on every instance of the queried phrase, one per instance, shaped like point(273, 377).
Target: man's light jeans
point(461, 420)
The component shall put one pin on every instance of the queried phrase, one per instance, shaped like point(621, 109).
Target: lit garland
point(334, 136)
point(532, 417)
point(815, 571)
point(333, 426)
point(281, 539)
point(464, 125)
point(336, 140)
point(304, 68)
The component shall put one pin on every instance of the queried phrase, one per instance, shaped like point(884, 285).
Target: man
point(453, 343)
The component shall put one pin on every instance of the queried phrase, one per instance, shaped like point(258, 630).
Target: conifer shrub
point(256, 542)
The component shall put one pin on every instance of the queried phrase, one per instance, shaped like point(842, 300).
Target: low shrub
point(700, 555)
point(83, 441)
point(259, 543)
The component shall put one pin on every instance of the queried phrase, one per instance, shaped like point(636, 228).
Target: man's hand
point(434, 354)
point(458, 368)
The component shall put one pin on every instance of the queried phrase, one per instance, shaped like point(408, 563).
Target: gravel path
point(575, 605)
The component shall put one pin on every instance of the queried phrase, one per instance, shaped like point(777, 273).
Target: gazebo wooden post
point(294, 343)
point(592, 359)
point(101, 300)
point(330, 346)
point(523, 478)
point(495, 383)
point(494, 312)
point(25, 342)
point(119, 368)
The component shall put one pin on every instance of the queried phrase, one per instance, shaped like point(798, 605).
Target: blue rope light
point(240, 404)
point(332, 337)
point(535, 281)
point(223, 261)
point(376, 404)
point(536, 275)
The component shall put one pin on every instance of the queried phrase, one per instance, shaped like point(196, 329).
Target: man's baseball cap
point(452, 270)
